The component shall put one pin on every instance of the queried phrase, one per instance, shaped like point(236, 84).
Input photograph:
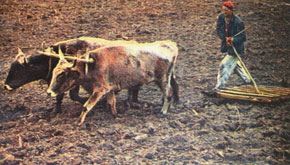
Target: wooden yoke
point(66, 57)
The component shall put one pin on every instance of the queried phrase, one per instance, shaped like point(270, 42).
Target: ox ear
point(43, 45)
point(21, 57)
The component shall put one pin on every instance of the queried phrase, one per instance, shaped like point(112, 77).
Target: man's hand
point(229, 41)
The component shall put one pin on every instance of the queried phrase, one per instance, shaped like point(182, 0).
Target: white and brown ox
point(115, 68)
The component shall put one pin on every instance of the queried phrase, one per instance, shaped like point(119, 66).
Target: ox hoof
point(136, 105)
point(117, 116)
point(58, 111)
point(53, 114)
point(162, 114)
point(79, 123)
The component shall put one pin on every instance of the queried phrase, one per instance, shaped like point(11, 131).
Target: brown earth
point(197, 130)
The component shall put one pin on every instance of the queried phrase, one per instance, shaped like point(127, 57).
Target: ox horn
point(20, 52)
point(21, 57)
point(62, 58)
point(60, 54)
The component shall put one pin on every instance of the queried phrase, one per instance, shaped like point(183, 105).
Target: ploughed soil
point(199, 129)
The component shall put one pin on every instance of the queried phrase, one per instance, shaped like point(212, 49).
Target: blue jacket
point(235, 26)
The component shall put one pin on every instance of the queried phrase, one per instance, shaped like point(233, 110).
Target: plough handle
point(247, 71)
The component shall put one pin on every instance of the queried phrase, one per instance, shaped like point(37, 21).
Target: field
point(198, 130)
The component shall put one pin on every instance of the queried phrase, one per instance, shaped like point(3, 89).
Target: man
point(228, 27)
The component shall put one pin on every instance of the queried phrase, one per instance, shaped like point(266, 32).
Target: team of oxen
point(102, 68)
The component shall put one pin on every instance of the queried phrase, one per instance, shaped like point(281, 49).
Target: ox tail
point(173, 82)
point(175, 89)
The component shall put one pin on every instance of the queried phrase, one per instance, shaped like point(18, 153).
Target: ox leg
point(88, 106)
point(133, 97)
point(161, 87)
point(133, 94)
point(74, 95)
point(111, 100)
point(175, 89)
point(58, 103)
point(167, 97)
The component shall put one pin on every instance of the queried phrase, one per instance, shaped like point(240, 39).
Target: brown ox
point(115, 68)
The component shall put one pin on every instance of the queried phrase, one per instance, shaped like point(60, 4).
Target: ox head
point(64, 76)
point(22, 71)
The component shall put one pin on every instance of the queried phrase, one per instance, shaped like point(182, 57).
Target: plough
point(267, 93)
point(254, 93)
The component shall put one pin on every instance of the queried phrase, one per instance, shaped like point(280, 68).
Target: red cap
point(229, 5)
